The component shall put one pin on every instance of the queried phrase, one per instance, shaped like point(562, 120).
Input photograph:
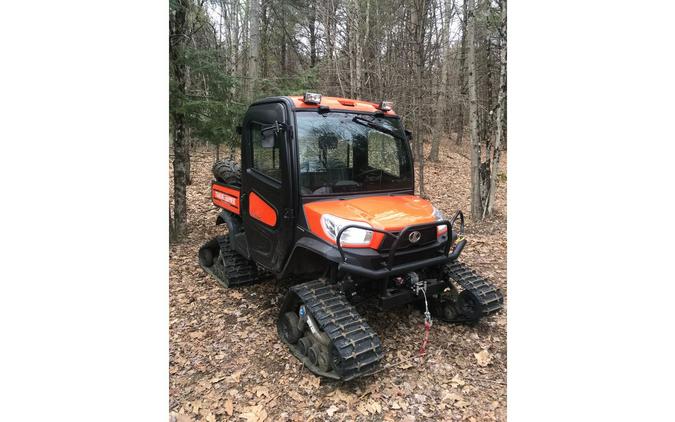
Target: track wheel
point(289, 327)
point(469, 307)
point(318, 357)
point(304, 345)
point(207, 252)
point(444, 308)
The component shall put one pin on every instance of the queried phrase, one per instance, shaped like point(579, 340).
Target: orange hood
point(389, 213)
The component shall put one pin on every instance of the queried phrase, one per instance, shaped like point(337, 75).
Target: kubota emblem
point(414, 237)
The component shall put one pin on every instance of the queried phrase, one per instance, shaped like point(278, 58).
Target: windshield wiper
point(371, 124)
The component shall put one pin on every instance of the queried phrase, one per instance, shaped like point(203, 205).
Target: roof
point(338, 103)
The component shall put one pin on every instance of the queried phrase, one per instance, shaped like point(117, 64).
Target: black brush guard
point(391, 269)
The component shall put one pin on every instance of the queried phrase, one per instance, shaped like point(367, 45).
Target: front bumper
point(373, 264)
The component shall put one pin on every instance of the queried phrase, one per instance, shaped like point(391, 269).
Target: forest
point(442, 63)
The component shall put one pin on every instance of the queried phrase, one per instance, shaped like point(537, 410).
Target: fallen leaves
point(216, 380)
point(235, 376)
point(254, 413)
point(339, 395)
point(227, 363)
point(457, 381)
point(483, 358)
point(455, 399)
point(197, 335)
point(331, 410)
point(295, 396)
point(229, 407)
point(373, 407)
point(262, 391)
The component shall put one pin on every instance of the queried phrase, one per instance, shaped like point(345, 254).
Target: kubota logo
point(414, 237)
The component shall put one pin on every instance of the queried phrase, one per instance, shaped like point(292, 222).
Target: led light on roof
point(312, 98)
point(386, 105)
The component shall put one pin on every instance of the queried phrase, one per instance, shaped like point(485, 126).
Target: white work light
point(312, 98)
point(386, 105)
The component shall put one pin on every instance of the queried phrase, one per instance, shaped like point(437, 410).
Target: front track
point(354, 348)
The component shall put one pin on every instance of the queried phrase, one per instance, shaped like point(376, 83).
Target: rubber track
point(232, 269)
point(489, 297)
point(358, 345)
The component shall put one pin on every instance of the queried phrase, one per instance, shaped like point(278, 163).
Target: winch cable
point(427, 325)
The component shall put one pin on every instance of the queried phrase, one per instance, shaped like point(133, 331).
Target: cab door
point(267, 192)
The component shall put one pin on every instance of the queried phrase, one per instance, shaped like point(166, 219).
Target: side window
point(383, 152)
point(265, 160)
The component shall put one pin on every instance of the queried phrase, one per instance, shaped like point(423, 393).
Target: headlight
point(353, 236)
point(440, 230)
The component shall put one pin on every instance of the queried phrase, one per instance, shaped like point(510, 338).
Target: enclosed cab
point(314, 165)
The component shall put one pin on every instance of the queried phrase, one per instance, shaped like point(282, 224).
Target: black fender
point(235, 228)
point(305, 253)
point(232, 220)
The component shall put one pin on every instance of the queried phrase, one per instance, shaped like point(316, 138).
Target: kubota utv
point(325, 197)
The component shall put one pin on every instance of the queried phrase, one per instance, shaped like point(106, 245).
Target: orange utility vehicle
point(325, 197)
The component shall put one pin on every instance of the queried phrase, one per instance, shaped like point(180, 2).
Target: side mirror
point(268, 138)
point(269, 133)
point(408, 134)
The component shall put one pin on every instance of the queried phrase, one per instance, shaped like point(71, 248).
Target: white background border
point(84, 301)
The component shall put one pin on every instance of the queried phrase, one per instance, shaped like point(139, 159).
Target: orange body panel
point(390, 213)
point(226, 198)
point(336, 103)
point(261, 210)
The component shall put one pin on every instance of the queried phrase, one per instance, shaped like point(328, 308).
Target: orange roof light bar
point(323, 103)
point(312, 98)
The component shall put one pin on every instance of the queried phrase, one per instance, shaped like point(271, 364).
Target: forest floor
point(227, 363)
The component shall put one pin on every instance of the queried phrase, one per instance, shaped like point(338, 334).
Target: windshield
point(338, 154)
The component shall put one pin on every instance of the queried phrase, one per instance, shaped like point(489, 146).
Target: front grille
point(408, 255)
point(428, 235)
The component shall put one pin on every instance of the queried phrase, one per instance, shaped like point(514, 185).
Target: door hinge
point(288, 214)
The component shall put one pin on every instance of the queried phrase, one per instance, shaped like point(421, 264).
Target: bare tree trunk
point(188, 132)
point(172, 229)
point(188, 149)
point(312, 34)
point(264, 41)
point(441, 101)
point(352, 44)
point(284, 47)
point(418, 20)
point(237, 38)
point(254, 53)
point(476, 204)
point(462, 80)
point(178, 24)
point(501, 113)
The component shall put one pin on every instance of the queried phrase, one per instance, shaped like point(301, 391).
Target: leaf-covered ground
point(226, 362)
